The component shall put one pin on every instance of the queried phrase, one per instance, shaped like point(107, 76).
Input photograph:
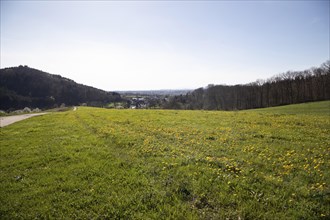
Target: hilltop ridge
point(23, 86)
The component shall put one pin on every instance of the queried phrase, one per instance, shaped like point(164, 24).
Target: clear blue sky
point(137, 45)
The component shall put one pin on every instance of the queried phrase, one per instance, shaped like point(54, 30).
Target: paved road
point(4, 121)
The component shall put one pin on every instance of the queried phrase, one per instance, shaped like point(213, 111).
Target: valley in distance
point(23, 86)
point(260, 151)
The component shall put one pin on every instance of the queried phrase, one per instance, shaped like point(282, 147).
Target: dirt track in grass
point(4, 121)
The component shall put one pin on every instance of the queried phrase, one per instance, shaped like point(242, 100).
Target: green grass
point(3, 114)
point(311, 108)
point(166, 164)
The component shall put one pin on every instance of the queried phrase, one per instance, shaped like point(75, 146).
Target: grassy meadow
point(164, 164)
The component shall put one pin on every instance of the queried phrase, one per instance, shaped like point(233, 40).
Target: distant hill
point(163, 92)
point(23, 86)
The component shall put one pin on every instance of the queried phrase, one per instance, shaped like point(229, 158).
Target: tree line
point(287, 88)
point(23, 86)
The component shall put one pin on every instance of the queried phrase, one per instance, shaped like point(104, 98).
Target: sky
point(150, 45)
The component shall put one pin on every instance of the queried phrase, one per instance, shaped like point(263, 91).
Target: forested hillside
point(286, 88)
point(27, 87)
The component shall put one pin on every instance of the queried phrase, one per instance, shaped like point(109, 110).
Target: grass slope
point(310, 108)
point(157, 164)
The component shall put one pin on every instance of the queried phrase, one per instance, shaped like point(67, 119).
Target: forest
point(290, 87)
point(23, 86)
point(27, 87)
